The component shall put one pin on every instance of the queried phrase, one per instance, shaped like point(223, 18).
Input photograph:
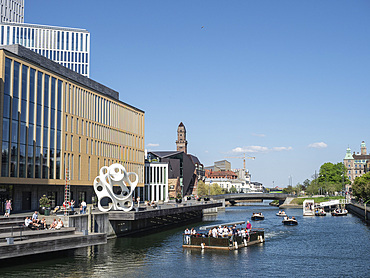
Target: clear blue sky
point(286, 81)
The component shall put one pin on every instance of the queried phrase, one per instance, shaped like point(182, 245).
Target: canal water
point(317, 247)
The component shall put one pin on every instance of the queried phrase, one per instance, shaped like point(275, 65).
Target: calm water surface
point(317, 247)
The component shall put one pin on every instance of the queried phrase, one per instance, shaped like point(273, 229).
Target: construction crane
point(244, 158)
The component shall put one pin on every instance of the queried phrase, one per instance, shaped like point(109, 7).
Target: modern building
point(69, 47)
point(12, 11)
point(156, 182)
point(55, 121)
point(357, 164)
point(222, 165)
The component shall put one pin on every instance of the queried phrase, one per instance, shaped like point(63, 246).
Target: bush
point(44, 201)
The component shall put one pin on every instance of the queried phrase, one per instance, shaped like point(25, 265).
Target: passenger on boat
point(187, 236)
point(214, 232)
point(249, 226)
point(193, 232)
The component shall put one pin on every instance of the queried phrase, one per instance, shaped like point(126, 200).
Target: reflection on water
point(318, 246)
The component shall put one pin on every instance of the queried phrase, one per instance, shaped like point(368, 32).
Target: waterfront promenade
point(93, 228)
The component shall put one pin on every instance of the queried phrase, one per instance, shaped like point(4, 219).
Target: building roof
point(361, 156)
point(164, 154)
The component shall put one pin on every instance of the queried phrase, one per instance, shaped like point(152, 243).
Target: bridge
point(234, 197)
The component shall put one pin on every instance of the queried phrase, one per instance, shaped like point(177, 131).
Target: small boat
point(339, 213)
point(320, 213)
point(257, 216)
point(281, 213)
point(290, 221)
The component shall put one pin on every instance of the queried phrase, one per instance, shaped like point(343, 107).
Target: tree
point(332, 177)
point(361, 187)
point(216, 189)
point(306, 183)
point(233, 190)
point(203, 189)
point(288, 190)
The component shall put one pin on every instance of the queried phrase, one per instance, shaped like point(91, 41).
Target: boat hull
point(200, 242)
point(290, 222)
point(339, 214)
point(257, 218)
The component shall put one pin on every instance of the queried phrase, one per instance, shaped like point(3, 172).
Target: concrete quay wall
point(119, 223)
point(359, 211)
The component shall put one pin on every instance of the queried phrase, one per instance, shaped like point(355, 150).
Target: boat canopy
point(221, 224)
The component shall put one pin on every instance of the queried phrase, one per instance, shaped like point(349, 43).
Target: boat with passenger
point(281, 213)
point(320, 212)
point(226, 236)
point(290, 221)
point(257, 216)
point(339, 212)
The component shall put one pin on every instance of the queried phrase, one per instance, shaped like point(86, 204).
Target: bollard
point(85, 232)
point(10, 240)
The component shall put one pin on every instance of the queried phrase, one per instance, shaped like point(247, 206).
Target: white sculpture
point(115, 174)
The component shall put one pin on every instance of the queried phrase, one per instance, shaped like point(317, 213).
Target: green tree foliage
point(361, 187)
point(233, 190)
point(205, 189)
point(306, 184)
point(331, 179)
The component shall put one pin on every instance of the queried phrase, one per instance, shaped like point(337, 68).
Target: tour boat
point(281, 213)
point(203, 241)
point(290, 222)
point(257, 216)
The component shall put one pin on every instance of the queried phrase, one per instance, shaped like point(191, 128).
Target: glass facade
point(29, 140)
point(51, 124)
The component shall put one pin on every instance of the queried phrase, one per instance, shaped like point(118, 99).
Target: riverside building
point(69, 47)
point(55, 121)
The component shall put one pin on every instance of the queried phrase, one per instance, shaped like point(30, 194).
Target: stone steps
point(27, 234)
point(51, 244)
point(16, 240)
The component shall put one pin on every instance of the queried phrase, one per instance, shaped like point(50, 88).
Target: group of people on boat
point(220, 232)
point(340, 211)
point(281, 213)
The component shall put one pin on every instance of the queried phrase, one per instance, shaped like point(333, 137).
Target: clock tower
point(181, 143)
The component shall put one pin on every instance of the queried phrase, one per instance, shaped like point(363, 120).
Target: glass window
point(15, 109)
point(22, 161)
point(23, 110)
point(30, 162)
point(45, 139)
point(14, 160)
point(59, 97)
point(30, 135)
point(24, 82)
point(52, 93)
point(5, 160)
point(6, 108)
point(52, 118)
point(32, 85)
point(23, 130)
point(8, 64)
point(46, 116)
point(46, 90)
point(39, 88)
point(38, 136)
point(16, 80)
point(6, 129)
